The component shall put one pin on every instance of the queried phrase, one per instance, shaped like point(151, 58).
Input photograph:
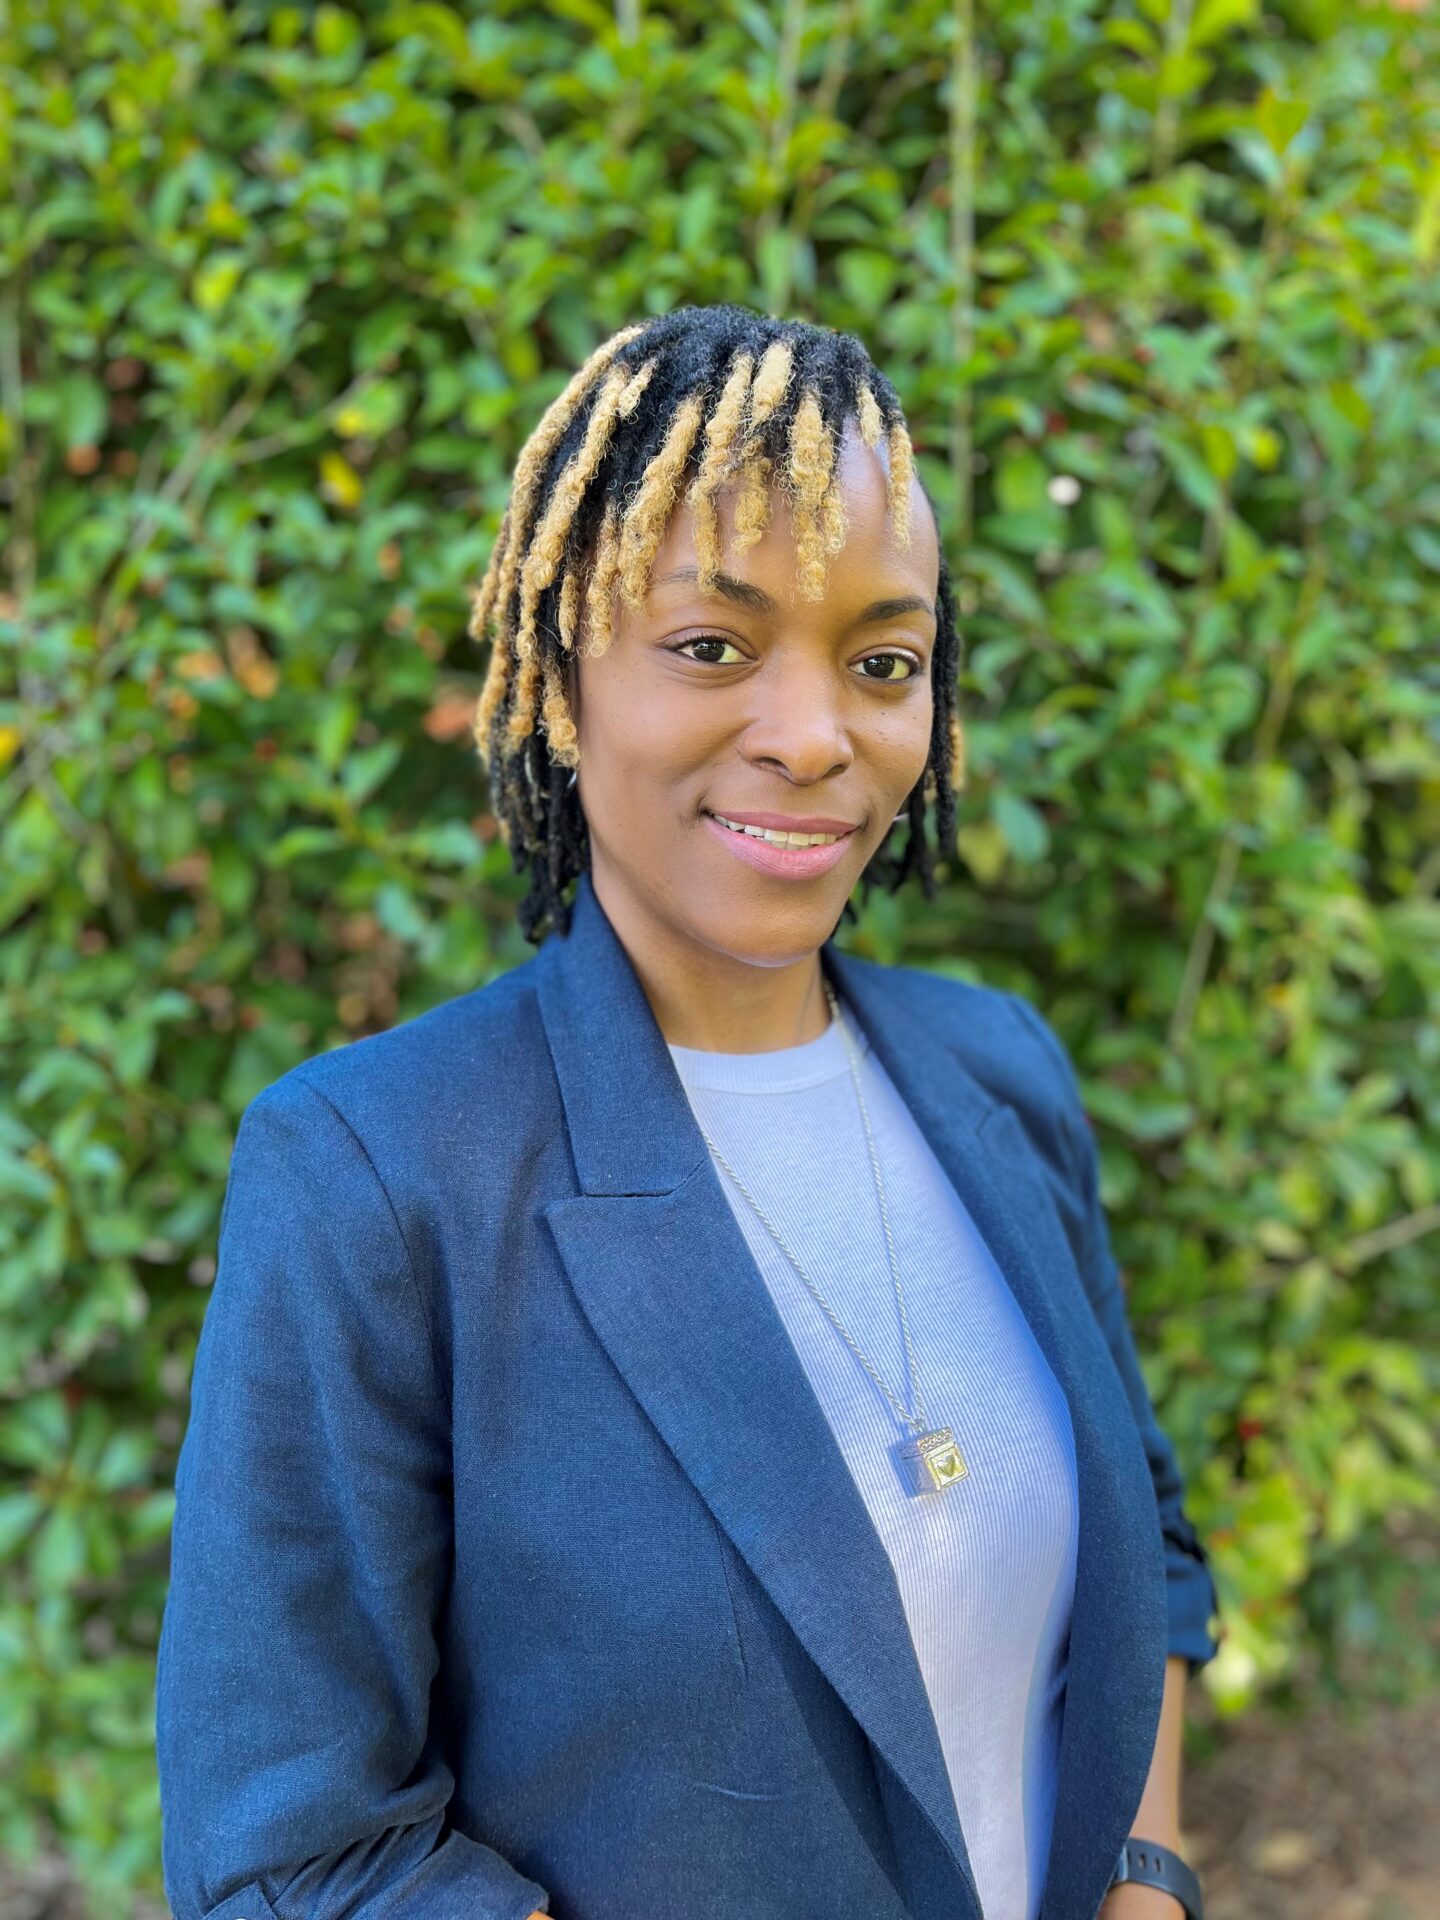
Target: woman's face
point(772, 711)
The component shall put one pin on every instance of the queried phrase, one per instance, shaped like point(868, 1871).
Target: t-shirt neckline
point(776, 1070)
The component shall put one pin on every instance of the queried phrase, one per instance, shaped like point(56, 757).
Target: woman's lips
point(791, 863)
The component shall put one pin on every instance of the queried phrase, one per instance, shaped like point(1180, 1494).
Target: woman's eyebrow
point(756, 598)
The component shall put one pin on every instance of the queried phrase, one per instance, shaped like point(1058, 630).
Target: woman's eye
point(710, 650)
point(711, 640)
point(889, 660)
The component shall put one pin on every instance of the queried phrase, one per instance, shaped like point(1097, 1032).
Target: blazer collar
point(603, 1034)
point(665, 1277)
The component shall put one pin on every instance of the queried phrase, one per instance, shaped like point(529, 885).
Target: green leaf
point(1023, 825)
point(1279, 119)
point(302, 841)
point(1219, 19)
point(368, 768)
point(867, 276)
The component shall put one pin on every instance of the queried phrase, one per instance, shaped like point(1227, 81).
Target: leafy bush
point(284, 289)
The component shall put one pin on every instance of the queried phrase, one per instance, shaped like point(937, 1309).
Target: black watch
point(1149, 1864)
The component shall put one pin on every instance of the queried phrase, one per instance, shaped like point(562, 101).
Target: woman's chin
point(777, 933)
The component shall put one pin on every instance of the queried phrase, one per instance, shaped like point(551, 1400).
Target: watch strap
point(1148, 1864)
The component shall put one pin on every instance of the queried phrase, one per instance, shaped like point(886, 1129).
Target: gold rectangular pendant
point(933, 1460)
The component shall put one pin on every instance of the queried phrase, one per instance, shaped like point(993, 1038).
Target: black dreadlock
point(670, 409)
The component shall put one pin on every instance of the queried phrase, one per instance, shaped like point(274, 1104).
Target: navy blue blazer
point(515, 1565)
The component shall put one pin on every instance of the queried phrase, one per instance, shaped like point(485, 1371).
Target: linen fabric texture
point(515, 1565)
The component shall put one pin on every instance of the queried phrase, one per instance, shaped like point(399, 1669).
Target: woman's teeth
point(777, 839)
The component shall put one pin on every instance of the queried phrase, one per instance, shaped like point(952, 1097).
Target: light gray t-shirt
point(986, 1566)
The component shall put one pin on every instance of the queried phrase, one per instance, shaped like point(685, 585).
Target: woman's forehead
point(870, 546)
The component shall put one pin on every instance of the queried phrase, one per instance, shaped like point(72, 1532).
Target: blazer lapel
point(665, 1277)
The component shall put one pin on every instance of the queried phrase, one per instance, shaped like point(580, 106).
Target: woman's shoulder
point(473, 1063)
point(1004, 1037)
point(1007, 1046)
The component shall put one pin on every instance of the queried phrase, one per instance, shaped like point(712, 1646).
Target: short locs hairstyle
point(668, 410)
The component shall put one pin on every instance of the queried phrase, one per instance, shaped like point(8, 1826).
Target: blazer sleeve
point(1190, 1587)
point(311, 1549)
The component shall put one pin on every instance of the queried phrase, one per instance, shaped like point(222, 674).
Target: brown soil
point(1320, 1819)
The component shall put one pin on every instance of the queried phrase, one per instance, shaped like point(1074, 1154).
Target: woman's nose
point(797, 725)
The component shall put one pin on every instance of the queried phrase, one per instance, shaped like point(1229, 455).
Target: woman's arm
point(1190, 1588)
point(312, 1546)
point(1158, 1817)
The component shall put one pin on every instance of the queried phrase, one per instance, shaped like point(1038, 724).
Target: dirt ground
point(1286, 1820)
point(1319, 1820)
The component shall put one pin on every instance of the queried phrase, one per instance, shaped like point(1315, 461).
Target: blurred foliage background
point(283, 290)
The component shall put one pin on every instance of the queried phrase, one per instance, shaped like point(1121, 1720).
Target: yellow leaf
point(984, 849)
point(340, 480)
point(216, 279)
point(1427, 222)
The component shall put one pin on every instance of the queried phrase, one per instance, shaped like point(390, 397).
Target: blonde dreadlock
point(498, 584)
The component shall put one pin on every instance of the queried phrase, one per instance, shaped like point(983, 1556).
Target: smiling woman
point(665, 1437)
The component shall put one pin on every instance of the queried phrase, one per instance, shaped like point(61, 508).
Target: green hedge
point(284, 288)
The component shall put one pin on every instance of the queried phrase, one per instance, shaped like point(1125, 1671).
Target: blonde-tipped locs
point(669, 412)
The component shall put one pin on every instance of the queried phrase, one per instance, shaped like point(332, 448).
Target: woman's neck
point(714, 1001)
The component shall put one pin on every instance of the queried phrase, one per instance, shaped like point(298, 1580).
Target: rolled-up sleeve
point(311, 1548)
point(1190, 1588)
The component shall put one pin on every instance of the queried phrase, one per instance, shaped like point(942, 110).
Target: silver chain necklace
point(931, 1460)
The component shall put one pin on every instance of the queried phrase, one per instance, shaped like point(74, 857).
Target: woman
point(666, 1438)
